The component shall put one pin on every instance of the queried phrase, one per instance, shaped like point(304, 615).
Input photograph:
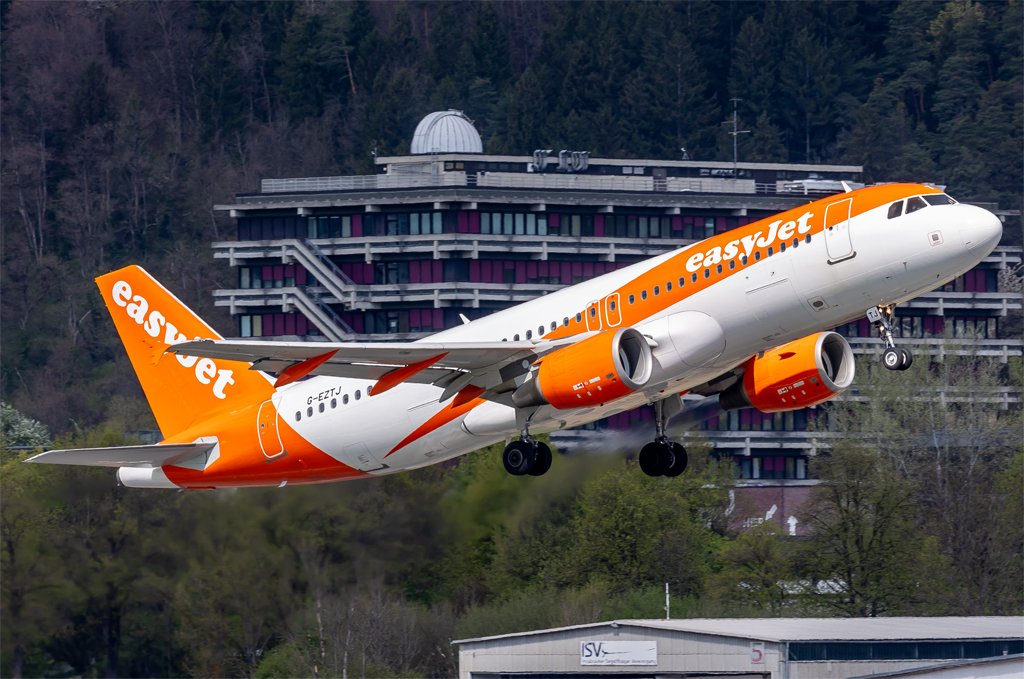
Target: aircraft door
point(838, 242)
point(612, 311)
point(269, 435)
point(593, 315)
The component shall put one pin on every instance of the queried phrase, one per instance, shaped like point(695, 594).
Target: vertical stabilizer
point(181, 390)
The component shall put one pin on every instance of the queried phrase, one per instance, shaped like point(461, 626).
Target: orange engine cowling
point(803, 373)
point(595, 370)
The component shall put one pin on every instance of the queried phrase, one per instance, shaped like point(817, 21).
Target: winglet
point(399, 375)
point(300, 370)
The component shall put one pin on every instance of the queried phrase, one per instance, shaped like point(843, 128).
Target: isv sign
point(618, 653)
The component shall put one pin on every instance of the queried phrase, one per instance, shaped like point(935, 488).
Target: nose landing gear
point(893, 358)
point(662, 456)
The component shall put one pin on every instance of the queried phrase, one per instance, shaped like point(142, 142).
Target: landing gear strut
point(893, 358)
point(526, 456)
point(662, 456)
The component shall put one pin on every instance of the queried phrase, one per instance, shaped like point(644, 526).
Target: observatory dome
point(446, 132)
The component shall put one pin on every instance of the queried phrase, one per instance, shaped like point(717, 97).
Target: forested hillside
point(124, 122)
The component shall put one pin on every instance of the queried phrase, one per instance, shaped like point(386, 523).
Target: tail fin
point(181, 390)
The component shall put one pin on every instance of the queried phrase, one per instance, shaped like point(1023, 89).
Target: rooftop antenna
point(735, 135)
point(667, 604)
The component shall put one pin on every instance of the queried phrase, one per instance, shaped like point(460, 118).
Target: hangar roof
point(818, 629)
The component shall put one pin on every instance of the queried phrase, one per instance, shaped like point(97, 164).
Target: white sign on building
point(618, 653)
point(757, 652)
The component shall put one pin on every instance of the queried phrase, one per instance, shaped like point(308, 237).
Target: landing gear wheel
point(541, 459)
point(892, 359)
point(679, 460)
point(906, 359)
point(652, 459)
point(517, 457)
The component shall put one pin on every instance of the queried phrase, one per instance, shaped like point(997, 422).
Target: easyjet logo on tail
point(777, 231)
point(155, 323)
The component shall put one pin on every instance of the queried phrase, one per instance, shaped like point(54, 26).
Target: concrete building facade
point(767, 648)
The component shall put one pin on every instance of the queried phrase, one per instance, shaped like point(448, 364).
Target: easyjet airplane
point(741, 318)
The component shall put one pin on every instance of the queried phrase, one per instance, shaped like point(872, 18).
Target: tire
point(541, 460)
point(906, 359)
point(517, 457)
point(679, 461)
point(651, 459)
point(892, 359)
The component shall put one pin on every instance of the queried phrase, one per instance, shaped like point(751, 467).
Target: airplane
point(741, 319)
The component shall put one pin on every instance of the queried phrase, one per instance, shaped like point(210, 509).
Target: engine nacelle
point(803, 373)
point(596, 370)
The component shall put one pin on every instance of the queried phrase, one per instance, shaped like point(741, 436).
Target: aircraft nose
point(981, 230)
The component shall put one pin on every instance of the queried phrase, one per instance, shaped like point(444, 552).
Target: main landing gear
point(526, 456)
point(893, 358)
point(662, 456)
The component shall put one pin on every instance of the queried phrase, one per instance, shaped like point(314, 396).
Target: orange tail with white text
point(181, 390)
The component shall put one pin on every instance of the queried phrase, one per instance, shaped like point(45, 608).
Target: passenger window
point(632, 299)
point(743, 259)
point(357, 394)
point(896, 209)
point(540, 331)
point(796, 241)
point(565, 321)
point(579, 318)
point(782, 246)
point(515, 337)
point(757, 256)
point(298, 416)
point(529, 334)
point(732, 263)
point(718, 268)
point(643, 294)
point(693, 278)
point(707, 273)
point(612, 304)
point(668, 286)
point(682, 282)
point(807, 238)
point(771, 251)
point(309, 411)
point(344, 400)
point(914, 204)
point(657, 290)
point(593, 311)
point(321, 407)
point(334, 403)
point(554, 324)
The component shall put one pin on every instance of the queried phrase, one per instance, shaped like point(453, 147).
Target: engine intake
point(593, 371)
point(800, 374)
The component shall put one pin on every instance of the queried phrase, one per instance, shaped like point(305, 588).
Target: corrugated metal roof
point(818, 629)
point(446, 132)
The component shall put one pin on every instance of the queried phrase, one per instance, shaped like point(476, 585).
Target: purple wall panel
point(474, 270)
point(463, 222)
point(474, 222)
point(599, 225)
point(357, 226)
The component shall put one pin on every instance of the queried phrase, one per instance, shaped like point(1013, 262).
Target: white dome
point(446, 132)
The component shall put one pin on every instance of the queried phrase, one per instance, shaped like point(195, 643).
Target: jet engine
point(800, 374)
point(593, 371)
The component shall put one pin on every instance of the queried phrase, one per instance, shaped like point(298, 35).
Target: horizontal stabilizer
point(125, 456)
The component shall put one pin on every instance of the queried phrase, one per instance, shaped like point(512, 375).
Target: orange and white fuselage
point(703, 310)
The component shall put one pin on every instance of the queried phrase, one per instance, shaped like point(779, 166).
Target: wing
point(485, 369)
point(124, 456)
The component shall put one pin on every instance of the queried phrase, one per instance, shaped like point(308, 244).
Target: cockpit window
point(939, 199)
point(916, 203)
point(896, 209)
